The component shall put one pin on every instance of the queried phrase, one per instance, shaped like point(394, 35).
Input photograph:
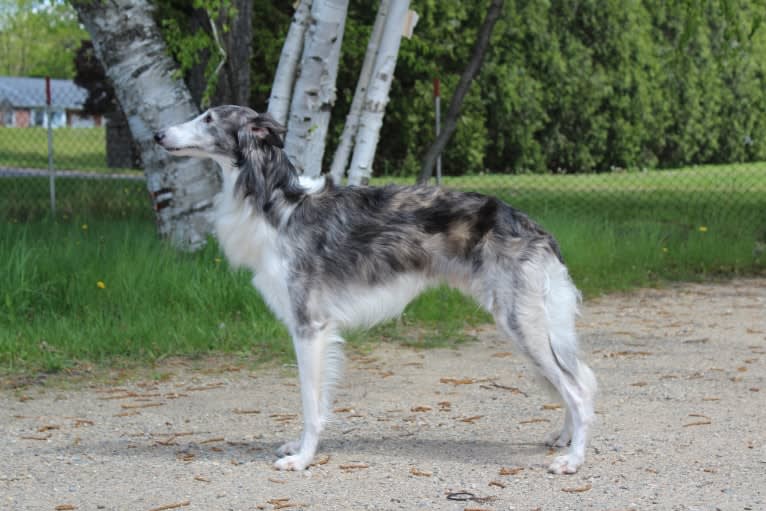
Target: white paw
point(291, 447)
point(295, 462)
point(558, 438)
point(566, 464)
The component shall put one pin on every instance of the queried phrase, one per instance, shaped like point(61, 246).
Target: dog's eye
point(208, 119)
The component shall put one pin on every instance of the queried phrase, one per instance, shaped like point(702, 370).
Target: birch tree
point(314, 92)
point(287, 69)
point(128, 44)
point(371, 118)
point(350, 128)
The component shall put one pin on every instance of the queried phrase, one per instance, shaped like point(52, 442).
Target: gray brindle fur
point(328, 258)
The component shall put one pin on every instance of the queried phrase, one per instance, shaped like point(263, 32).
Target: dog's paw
point(558, 438)
point(294, 462)
point(566, 464)
point(289, 448)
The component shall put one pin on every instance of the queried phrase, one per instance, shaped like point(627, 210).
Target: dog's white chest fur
point(249, 241)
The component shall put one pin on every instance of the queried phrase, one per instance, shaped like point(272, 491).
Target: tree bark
point(314, 92)
point(342, 153)
point(233, 83)
point(450, 121)
point(287, 69)
point(371, 118)
point(134, 56)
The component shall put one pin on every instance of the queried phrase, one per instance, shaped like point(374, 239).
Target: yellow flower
point(100, 284)
point(665, 249)
point(703, 228)
point(218, 260)
point(84, 227)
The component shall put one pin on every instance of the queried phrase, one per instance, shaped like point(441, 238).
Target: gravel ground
point(680, 424)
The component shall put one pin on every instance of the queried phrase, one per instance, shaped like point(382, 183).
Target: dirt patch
point(680, 425)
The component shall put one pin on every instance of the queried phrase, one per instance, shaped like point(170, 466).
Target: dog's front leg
point(308, 351)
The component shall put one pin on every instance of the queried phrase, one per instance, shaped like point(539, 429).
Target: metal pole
point(51, 169)
point(437, 101)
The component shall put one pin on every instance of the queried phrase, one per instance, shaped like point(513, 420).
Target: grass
point(73, 148)
point(617, 232)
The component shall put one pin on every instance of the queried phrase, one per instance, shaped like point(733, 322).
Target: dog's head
point(221, 133)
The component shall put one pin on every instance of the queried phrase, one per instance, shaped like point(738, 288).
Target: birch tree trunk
point(371, 118)
point(134, 56)
point(284, 78)
point(340, 160)
point(314, 92)
point(450, 122)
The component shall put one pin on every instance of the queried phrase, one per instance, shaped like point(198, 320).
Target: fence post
point(51, 169)
point(437, 104)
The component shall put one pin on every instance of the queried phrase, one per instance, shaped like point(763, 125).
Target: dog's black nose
point(158, 136)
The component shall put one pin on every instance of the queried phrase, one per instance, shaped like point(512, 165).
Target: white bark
point(342, 153)
point(284, 78)
point(129, 45)
point(374, 107)
point(314, 92)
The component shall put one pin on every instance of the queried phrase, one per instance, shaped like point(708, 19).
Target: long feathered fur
point(328, 258)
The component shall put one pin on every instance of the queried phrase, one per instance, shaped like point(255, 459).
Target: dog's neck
point(230, 171)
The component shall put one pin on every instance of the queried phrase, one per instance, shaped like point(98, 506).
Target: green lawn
point(73, 148)
point(617, 231)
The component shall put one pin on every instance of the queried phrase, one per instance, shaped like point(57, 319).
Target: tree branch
point(450, 122)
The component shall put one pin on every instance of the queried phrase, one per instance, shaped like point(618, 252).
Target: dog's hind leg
point(540, 316)
point(320, 357)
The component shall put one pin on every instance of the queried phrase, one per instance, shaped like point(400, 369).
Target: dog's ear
point(264, 127)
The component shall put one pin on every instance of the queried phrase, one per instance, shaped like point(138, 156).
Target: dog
point(328, 258)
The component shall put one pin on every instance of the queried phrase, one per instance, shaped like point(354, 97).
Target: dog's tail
point(561, 300)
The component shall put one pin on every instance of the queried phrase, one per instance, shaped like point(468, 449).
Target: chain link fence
point(55, 158)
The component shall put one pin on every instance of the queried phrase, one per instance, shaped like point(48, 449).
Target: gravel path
point(681, 425)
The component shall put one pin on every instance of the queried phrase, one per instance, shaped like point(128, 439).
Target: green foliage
point(189, 46)
point(38, 38)
point(575, 86)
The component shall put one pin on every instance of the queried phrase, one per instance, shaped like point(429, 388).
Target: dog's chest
point(249, 241)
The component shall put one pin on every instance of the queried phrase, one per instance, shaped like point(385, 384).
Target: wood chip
point(503, 354)
point(704, 422)
point(141, 405)
point(458, 381)
point(278, 481)
point(533, 421)
point(48, 427)
point(579, 489)
point(35, 437)
point(324, 460)
point(127, 414)
point(65, 507)
point(246, 412)
point(420, 473)
point(213, 440)
point(472, 419)
point(353, 466)
point(171, 506)
point(211, 386)
point(202, 479)
point(497, 483)
point(510, 471)
point(627, 353)
point(420, 408)
point(552, 406)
